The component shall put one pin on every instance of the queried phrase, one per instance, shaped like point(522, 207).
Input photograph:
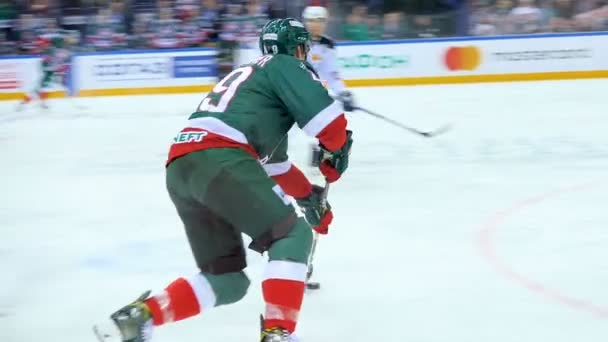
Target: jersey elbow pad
point(333, 136)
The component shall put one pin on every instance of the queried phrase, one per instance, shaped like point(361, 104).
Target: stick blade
point(442, 129)
point(313, 285)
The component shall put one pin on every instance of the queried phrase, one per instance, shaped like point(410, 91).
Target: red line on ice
point(485, 240)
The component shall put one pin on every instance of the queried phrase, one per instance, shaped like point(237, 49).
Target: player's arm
point(315, 112)
point(318, 115)
point(286, 174)
point(331, 74)
point(294, 183)
point(308, 196)
point(329, 67)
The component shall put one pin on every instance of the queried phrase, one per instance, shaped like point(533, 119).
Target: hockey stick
point(425, 134)
point(313, 285)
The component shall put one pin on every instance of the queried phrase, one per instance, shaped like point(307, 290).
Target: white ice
point(424, 247)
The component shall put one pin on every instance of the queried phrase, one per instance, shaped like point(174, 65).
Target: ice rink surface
point(494, 232)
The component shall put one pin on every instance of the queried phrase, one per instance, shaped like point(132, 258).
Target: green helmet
point(284, 36)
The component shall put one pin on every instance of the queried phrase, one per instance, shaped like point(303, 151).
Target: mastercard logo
point(463, 58)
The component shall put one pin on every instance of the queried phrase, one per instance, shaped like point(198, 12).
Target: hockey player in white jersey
point(322, 55)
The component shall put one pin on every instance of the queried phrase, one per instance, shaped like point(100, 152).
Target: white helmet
point(315, 12)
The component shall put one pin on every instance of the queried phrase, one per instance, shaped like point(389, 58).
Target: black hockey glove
point(318, 215)
point(348, 100)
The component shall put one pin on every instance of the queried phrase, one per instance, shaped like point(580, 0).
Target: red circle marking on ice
point(489, 253)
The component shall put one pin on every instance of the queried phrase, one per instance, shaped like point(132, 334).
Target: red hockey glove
point(319, 216)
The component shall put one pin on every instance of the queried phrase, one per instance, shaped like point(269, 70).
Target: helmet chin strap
point(301, 51)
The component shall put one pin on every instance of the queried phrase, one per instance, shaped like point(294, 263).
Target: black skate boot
point(133, 322)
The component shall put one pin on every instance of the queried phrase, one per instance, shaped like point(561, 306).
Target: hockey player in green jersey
point(228, 173)
point(55, 65)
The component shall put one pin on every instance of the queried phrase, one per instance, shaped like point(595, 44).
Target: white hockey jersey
point(323, 58)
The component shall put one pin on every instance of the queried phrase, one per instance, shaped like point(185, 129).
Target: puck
point(313, 286)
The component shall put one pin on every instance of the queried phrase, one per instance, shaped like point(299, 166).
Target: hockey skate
point(277, 335)
point(22, 104)
point(133, 323)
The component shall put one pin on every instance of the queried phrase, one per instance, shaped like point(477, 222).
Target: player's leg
point(42, 93)
point(253, 203)
point(39, 91)
point(216, 245)
point(29, 96)
point(217, 249)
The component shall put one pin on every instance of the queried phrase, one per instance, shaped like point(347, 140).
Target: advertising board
point(150, 72)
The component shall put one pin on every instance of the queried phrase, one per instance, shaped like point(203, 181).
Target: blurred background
point(161, 24)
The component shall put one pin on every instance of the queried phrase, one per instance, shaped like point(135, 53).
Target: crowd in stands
point(530, 16)
point(136, 24)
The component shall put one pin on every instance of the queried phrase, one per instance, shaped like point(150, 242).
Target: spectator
point(27, 34)
point(161, 5)
point(190, 31)
point(8, 11)
point(500, 17)
point(105, 33)
point(7, 47)
point(563, 16)
point(255, 8)
point(595, 18)
point(184, 8)
point(230, 23)
point(45, 9)
point(228, 38)
point(582, 6)
point(140, 37)
point(423, 27)
point(375, 6)
point(277, 9)
point(392, 26)
point(49, 28)
point(252, 22)
point(374, 27)
point(526, 17)
point(118, 14)
point(208, 19)
point(546, 10)
point(191, 23)
point(482, 21)
point(165, 32)
point(356, 28)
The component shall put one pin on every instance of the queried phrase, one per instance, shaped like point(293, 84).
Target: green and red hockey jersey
point(255, 106)
point(55, 57)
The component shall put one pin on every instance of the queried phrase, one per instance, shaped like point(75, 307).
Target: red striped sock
point(177, 302)
point(283, 290)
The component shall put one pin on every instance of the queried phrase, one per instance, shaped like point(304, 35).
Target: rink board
point(376, 63)
point(147, 72)
point(475, 59)
point(22, 74)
